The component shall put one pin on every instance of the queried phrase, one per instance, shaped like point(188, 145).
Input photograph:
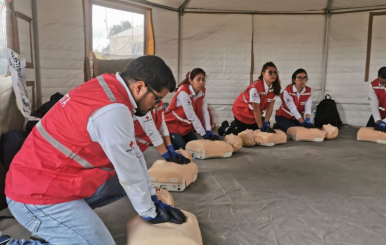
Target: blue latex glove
point(210, 136)
point(266, 128)
point(307, 123)
point(166, 213)
point(381, 127)
point(178, 156)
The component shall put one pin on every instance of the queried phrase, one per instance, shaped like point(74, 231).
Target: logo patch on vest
point(148, 119)
point(131, 145)
point(262, 93)
point(302, 103)
point(63, 101)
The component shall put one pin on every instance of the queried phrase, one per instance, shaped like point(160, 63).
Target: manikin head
point(382, 76)
point(271, 76)
point(299, 78)
point(149, 80)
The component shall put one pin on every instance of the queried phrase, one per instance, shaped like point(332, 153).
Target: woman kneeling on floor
point(188, 111)
point(296, 103)
point(250, 105)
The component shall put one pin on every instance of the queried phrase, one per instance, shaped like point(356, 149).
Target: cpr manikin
point(372, 135)
point(331, 131)
point(235, 141)
point(140, 232)
point(252, 138)
point(248, 137)
point(172, 176)
point(269, 139)
point(203, 149)
point(300, 133)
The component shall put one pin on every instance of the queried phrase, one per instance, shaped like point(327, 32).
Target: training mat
point(299, 193)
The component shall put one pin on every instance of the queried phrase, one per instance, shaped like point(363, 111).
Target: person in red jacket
point(152, 128)
point(250, 105)
point(377, 98)
point(188, 111)
point(295, 109)
point(83, 155)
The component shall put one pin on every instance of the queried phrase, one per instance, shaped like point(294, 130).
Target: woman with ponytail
point(295, 109)
point(250, 105)
point(188, 111)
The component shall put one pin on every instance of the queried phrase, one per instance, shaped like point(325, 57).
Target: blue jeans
point(285, 123)
point(179, 141)
point(69, 223)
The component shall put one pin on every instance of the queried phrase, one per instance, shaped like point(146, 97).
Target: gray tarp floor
point(331, 192)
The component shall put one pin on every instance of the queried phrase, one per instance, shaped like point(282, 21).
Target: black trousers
point(238, 127)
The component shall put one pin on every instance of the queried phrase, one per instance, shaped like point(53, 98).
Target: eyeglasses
point(158, 100)
point(302, 78)
point(272, 72)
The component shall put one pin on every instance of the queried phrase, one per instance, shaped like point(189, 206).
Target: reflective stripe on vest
point(181, 119)
point(246, 102)
point(286, 111)
point(159, 108)
point(57, 145)
point(142, 141)
point(106, 88)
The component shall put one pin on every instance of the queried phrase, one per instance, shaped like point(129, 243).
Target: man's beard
point(138, 112)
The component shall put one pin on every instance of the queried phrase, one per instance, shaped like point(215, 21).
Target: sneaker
point(221, 130)
point(4, 239)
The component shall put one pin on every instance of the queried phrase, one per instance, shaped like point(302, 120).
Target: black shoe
point(221, 130)
point(4, 239)
point(276, 126)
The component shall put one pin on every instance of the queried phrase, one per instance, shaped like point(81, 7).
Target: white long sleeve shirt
point(151, 130)
point(183, 99)
point(254, 96)
point(112, 127)
point(288, 100)
point(374, 104)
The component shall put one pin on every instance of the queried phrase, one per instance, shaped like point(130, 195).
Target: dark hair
point(152, 70)
point(296, 73)
point(382, 72)
point(191, 75)
point(276, 84)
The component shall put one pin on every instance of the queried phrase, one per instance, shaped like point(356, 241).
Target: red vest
point(142, 139)
point(58, 161)
point(242, 108)
point(300, 103)
point(175, 116)
point(381, 95)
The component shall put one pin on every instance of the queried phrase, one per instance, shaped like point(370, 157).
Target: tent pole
point(324, 71)
point(36, 53)
point(181, 10)
point(179, 46)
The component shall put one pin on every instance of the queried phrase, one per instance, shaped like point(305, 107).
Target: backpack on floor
point(327, 113)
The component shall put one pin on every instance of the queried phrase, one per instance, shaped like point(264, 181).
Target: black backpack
point(327, 113)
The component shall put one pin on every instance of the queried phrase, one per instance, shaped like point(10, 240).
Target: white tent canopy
point(328, 38)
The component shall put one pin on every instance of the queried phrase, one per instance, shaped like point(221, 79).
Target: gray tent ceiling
point(269, 5)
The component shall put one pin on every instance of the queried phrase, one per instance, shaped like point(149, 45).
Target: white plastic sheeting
point(221, 45)
point(346, 63)
point(291, 42)
point(165, 25)
point(62, 45)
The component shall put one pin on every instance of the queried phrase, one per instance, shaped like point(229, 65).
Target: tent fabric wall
point(221, 45)
point(62, 45)
point(165, 24)
point(346, 64)
point(291, 42)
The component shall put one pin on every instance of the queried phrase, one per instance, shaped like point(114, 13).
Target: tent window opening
point(117, 34)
